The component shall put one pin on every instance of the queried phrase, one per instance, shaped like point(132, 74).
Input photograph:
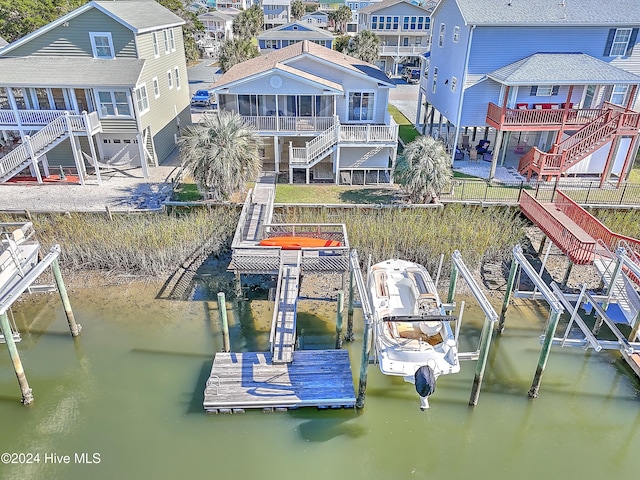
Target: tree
point(249, 22)
point(221, 154)
point(341, 43)
point(425, 170)
point(365, 46)
point(340, 18)
point(236, 51)
point(297, 9)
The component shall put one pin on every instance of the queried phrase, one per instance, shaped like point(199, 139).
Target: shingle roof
point(308, 32)
point(215, 14)
point(538, 12)
point(62, 72)
point(561, 69)
point(141, 15)
point(267, 62)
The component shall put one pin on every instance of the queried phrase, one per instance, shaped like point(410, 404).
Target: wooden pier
point(284, 377)
point(315, 378)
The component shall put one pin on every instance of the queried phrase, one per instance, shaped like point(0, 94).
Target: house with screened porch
point(322, 114)
point(103, 86)
point(553, 85)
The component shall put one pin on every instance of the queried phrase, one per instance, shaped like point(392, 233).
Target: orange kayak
point(296, 243)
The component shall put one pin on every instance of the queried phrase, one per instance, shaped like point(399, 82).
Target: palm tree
point(236, 51)
point(365, 46)
point(425, 170)
point(340, 18)
point(297, 9)
point(248, 23)
point(221, 154)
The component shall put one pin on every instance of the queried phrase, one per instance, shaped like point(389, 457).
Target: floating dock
point(315, 378)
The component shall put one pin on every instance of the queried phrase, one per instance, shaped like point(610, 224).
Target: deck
point(315, 378)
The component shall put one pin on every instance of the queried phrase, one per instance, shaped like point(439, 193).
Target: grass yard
point(333, 194)
point(406, 131)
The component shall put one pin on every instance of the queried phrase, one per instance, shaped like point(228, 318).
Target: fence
point(509, 193)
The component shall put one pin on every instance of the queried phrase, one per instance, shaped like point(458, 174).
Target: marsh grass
point(481, 234)
point(142, 245)
point(624, 222)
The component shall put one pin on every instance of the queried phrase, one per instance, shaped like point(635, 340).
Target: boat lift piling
point(222, 312)
point(339, 309)
point(349, 337)
point(74, 327)
point(491, 317)
point(27, 394)
point(368, 327)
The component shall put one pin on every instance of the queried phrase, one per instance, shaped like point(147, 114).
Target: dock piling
point(364, 365)
point(27, 395)
point(74, 327)
point(340, 308)
point(485, 342)
point(507, 295)
point(544, 354)
point(222, 311)
point(453, 281)
point(349, 337)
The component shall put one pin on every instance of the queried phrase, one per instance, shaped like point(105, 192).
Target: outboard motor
point(425, 381)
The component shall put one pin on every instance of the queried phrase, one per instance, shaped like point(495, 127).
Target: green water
point(130, 390)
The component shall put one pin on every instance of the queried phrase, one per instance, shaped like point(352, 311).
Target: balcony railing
point(546, 118)
point(368, 133)
point(403, 50)
point(27, 118)
point(277, 123)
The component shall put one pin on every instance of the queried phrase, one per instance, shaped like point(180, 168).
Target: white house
point(323, 114)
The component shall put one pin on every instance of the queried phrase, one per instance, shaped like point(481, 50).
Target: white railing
point(273, 123)
point(29, 117)
point(403, 50)
point(369, 133)
point(41, 140)
point(316, 147)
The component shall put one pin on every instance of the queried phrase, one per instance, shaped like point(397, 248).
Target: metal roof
point(562, 69)
point(69, 72)
point(541, 12)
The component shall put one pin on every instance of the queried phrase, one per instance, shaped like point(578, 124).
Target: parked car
point(411, 74)
point(202, 98)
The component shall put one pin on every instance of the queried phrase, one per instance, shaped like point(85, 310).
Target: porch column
point(615, 146)
point(394, 156)
point(426, 111)
point(431, 118)
point(631, 154)
point(564, 115)
point(337, 164)
point(142, 142)
point(26, 140)
point(631, 97)
point(419, 109)
point(276, 152)
point(496, 152)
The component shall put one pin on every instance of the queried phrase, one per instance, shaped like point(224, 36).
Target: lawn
point(332, 194)
point(406, 131)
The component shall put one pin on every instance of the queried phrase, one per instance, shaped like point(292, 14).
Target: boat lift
point(481, 354)
point(561, 302)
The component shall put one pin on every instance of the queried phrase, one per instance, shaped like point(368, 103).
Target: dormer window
point(101, 44)
point(620, 42)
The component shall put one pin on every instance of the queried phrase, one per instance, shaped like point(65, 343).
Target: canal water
point(124, 401)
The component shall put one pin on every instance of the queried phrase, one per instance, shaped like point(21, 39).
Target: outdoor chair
point(465, 143)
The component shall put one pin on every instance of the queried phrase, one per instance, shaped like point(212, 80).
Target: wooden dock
point(283, 330)
point(315, 378)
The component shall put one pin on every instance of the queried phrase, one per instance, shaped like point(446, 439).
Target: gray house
point(103, 85)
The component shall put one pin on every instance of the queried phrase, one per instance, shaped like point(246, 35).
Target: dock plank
point(320, 378)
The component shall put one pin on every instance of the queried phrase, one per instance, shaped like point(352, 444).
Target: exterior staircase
point(315, 150)
point(594, 135)
point(33, 148)
point(366, 156)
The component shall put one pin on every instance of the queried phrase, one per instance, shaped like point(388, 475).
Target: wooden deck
point(283, 330)
point(315, 378)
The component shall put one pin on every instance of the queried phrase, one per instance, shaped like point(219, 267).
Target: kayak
point(297, 243)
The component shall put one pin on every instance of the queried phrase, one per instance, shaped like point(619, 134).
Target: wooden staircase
point(612, 122)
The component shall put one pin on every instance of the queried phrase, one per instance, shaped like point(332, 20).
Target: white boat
point(412, 333)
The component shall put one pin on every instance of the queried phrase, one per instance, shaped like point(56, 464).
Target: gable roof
point(270, 61)
point(388, 3)
point(139, 16)
point(215, 15)
point(539, 12)
point(62, 72)
point(306, 31)
point(562, 69)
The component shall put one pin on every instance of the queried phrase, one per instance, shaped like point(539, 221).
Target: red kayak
point(296, 243)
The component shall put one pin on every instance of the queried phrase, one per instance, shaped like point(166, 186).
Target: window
point(619, 94)
point(435, 79)
point(169, 79)
point(620, 42)
point(544, 90)
point(142, 102)
point(405, 23)
point(456, 34)
point(396, 22)
point(177, 74)
point(113, 103)
point(156, 48)
point(360, 106)
point(156, 87)
point(165, 35)
point(422, 22)
point(172, 40)
point(101, 44)
point(441, 36)
point(454, 84)
point(374, 22)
